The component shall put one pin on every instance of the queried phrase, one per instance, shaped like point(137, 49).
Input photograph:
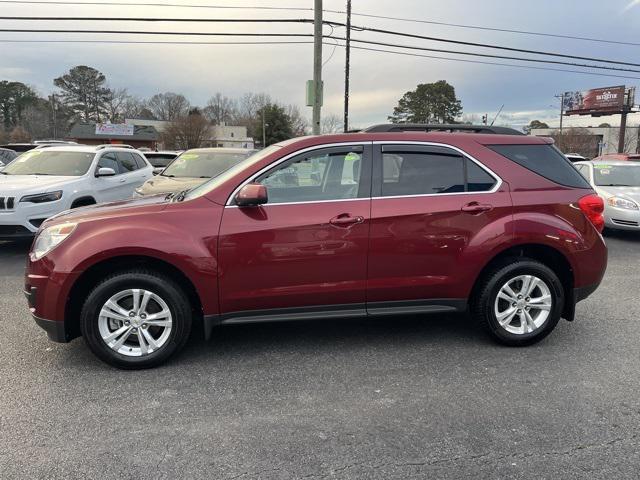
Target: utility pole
point(317, 66)
point(264, 130)
point(561, 97)
point(347, 68)
point(623, 130)
point(53, 114)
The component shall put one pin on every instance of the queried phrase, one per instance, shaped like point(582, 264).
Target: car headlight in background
point(51, 237)
point(622, 203)
point(42, 197)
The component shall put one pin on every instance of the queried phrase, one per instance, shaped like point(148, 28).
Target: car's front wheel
point(136, 319)
point(519, 302)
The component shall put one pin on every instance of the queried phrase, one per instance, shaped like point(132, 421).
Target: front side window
point(425, 172)
point(48, 162)
point(109, 160)
point(316, 176)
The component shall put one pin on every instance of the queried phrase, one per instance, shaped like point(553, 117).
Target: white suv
point(43, 182)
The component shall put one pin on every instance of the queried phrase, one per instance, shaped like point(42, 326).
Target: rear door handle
point(476, 208)
point(345, 220)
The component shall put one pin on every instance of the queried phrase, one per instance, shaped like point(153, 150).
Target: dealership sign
point(114, 129)
point(598, 101)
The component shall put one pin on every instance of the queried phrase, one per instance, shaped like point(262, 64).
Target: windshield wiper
point(178, 197)
point(615, 185)
point(170, 176)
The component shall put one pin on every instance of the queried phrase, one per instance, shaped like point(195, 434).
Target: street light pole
point(264, 130)
point(317, 66)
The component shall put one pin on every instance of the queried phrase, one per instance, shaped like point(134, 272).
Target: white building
point(228, 136)
point(606, 138)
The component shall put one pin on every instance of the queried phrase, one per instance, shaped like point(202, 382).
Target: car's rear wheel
point(519, 302)
point(136, 319)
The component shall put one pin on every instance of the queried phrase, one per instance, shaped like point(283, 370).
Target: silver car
point(618, 183)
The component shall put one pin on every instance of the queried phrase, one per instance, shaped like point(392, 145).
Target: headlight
point(42, 197)
point(622, 203)
point(51, 237)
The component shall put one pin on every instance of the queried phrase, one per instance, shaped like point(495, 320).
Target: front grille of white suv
point(7, 203)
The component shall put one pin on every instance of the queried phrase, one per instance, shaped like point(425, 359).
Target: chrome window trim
point(495, 176)
point(288, 157)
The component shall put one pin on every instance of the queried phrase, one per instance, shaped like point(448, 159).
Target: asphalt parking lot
point(425, 397)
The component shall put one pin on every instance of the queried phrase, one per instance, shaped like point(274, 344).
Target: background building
point(591, 141)
point(97, 133)
point(228, 136)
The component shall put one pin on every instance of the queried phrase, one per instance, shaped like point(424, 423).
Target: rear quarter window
point(545, 160)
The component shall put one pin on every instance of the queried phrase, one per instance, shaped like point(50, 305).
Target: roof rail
point(113, 145)
point(441, 127)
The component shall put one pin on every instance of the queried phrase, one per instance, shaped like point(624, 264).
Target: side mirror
point(158, 170)
point(252, 194)
point(105, 172)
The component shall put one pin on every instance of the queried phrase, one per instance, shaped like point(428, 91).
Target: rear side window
point(425, 172)
point(545, 160)
point(139, 161)
point(127, 162)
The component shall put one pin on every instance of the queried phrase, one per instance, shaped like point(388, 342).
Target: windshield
point(617, 175)
point(204, 164)
point(47, 162)
point(160, 159)
point(220, 179)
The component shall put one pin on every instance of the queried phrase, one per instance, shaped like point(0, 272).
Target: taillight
point(593, 206)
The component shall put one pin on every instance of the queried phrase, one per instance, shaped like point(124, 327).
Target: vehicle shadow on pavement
point(326, 336)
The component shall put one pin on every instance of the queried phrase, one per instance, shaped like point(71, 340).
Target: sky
point(378, 79)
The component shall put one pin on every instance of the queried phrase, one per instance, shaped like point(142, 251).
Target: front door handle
point(122, 180)
point(476, 208)
point(345, 220)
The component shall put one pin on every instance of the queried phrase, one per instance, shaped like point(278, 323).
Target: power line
point(489, 55)
point(331, 23)
point(158, 19)
point(140, 4)
point(483, 45)
point(143, 32)
point(493, 63)
point(491, 29)
point(435, 57)
point(308, 9)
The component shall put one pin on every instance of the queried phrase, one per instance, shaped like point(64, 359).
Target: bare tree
point(116, 100)
point(299, 124)
point(220, 109)
point(19, 135)
point(168, 106)
point(331, 124)
point(4, 136)
point(189, 131)
point(577, 140)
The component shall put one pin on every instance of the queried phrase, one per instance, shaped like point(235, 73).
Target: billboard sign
point(114, 129)
point(607, 100)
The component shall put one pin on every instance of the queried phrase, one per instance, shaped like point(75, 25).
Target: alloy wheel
point(523, 304)
point(135, 322)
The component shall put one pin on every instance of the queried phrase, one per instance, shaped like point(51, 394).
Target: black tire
point(482, 305)
point(166, 288)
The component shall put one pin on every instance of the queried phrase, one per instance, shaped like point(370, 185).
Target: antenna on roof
point(496, 117)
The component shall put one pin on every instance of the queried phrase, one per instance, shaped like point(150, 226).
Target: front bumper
point(25, 219)
point(621, 218)
point(55, 330)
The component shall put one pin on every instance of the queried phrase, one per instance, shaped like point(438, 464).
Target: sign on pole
point(598, 101)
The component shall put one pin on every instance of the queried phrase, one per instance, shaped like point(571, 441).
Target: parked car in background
point(634, 157)
point(192, 168)
point(160, 160)
point(19, 147)
point(6, 156)
point(42, 183)
point(618, 183)
point(575, 157)
point(374, 224)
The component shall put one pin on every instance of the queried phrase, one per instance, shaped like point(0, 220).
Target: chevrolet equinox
point(381, 222)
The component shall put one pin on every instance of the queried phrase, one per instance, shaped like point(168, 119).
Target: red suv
point(364, 224)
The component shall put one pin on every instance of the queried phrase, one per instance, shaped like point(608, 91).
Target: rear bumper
point(580, 293)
